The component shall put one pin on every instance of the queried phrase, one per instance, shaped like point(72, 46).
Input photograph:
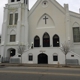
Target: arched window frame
point(57, 42)
point(46, 45)
point(37, 41)
point(12, 36)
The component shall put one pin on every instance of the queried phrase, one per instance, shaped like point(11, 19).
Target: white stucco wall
point(48, 51)
point(30, 23)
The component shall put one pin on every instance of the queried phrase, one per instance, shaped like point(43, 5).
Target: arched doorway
point(56, 42)
point(36, 41)
point(42, 59)
point(46, 40)
point(11, 52)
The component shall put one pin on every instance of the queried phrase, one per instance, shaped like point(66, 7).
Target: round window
point(45, 3)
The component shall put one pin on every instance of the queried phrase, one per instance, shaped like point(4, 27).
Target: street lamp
point(32, 45)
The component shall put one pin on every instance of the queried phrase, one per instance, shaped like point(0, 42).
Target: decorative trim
point(12, 26)
point(45, 4)
point(74, 16)
point(44, 27)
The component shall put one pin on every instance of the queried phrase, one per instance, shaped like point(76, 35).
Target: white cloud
point(74, 5)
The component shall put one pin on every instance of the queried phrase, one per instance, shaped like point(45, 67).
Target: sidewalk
point(38, 65)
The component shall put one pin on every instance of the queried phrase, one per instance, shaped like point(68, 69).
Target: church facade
point(42, 30)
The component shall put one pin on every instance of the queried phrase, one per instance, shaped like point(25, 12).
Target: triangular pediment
point(40, 3)
point(76, 24)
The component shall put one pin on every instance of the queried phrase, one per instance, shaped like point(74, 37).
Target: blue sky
point(74, 5)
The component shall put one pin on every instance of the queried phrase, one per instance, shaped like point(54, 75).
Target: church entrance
point(11, 52)
point(46, 40)
point(42, 59)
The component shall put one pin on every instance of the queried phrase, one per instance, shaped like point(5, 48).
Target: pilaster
point(67, 22)
point(4, 31)
point(18, 25)
point(26, 25)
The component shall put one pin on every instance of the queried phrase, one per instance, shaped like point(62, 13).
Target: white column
point(4, 31)
point(26, 26)
point(67, 16)
point(18, 25)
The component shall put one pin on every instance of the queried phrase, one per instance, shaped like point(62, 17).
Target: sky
point(74, 5)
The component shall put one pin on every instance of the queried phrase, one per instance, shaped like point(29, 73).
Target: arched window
point(76, 34)
point(12, 36)
point(56, 42)
point(36, 41)
point(55, 57)
point(46, 40)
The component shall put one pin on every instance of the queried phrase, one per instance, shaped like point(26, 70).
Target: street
point(39, 73)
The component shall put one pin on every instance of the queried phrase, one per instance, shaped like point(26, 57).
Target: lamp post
point(32, 45)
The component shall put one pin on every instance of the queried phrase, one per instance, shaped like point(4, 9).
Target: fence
point(5, 60)
point(72, 61)
point(14, 60)
point(10, 60)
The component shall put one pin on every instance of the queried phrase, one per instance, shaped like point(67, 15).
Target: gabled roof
point(54, 2)
point(74, 14)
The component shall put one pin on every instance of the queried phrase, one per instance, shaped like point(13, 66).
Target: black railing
point(5, 60)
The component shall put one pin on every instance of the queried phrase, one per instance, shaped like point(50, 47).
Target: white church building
point(44, 28)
